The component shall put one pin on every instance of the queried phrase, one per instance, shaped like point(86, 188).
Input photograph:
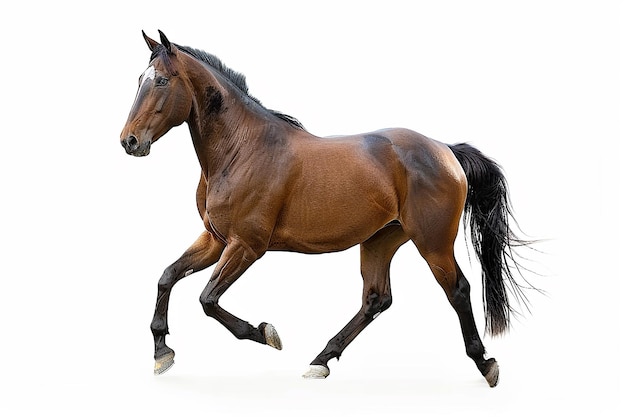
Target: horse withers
point(268, 184)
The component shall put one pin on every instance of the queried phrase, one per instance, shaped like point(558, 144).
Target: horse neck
point(225, 124)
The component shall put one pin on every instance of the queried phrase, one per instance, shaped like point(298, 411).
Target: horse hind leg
point(376, 254)
point(457, 289)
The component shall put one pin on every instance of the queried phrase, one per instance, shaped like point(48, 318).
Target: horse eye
point(161, 81)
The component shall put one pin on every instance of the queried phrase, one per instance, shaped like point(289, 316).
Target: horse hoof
point(271, 337)
point(164, 363)
point(493, 374)
point(317, 372)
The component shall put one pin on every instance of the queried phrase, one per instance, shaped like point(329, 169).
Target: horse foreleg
point(204, 252)
point(235, 260)
point(376, 254)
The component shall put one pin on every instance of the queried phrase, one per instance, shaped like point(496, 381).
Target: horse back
point(343, 189)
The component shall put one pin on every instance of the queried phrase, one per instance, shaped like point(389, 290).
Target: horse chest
point(217, 217)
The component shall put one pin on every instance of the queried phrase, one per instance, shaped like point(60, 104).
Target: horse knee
point(168, 279)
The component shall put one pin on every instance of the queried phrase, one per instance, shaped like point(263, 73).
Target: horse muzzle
point(134, 147)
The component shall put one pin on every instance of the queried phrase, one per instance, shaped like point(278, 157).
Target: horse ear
point(166, 43)
point(151, 42)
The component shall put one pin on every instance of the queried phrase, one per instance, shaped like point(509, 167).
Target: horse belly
point(331, 215)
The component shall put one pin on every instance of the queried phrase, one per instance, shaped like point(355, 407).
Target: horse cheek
point(181, 107)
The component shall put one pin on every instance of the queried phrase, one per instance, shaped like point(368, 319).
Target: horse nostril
point(132, 142)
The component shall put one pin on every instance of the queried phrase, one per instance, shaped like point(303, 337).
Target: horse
point(267, 184)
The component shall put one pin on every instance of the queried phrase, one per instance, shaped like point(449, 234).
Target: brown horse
point(268, 184)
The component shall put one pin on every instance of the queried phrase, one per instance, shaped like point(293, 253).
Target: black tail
point(487, 212)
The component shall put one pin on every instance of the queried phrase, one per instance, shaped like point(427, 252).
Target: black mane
point(238, 79)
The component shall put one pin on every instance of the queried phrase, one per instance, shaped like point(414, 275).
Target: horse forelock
point(161, 52)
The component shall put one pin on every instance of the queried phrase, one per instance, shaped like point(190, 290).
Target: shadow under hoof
point(493, 374)
point(163, 364)
point(316, 372)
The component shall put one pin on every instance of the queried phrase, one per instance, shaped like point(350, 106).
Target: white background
point(87, 230)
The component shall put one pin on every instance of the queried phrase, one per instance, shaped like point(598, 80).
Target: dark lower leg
point(460, 300)
point(203, 253)
point(376, 255)
point(457, 289)
point(239, 328)
point(373, 306)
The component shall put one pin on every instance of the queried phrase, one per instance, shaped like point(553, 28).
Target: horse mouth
point(142, 152)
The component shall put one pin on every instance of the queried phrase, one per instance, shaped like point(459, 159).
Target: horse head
point(163, 99)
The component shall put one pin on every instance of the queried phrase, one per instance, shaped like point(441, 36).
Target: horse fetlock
point(475, 350)
point(159, 326)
